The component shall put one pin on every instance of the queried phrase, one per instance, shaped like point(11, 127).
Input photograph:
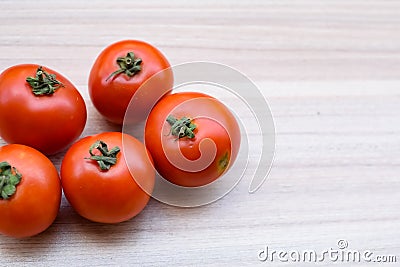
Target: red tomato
point(192, 137)
point(48, 122)
point(120, 70)
point(111, 189)
point(34, 205)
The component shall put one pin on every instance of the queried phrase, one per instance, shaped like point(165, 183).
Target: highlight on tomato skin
point(118, 72)
point(193, 138)
point(40, 108)
point(30, 191)
point(107, 177)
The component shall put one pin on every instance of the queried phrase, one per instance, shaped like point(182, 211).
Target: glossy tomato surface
point(35, 204)
point(111, 94)
point(48, 123)
point(198, 160)
point(108, 196)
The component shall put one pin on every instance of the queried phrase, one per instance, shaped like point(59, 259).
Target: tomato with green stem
point(30, 191)
point(193, 138)
point(107, 177)
point(118, 72)
point(40, 108)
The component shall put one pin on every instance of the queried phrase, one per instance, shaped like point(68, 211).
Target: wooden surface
point(330, 72)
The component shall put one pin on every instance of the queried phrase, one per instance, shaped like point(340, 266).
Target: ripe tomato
point(120, 70)
point(40, 108)
point(30, 191)
point(101, 184)
point(192, 137)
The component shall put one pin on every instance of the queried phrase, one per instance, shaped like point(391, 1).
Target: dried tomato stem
point(128, 65)
point(43, 83)
point(107, 158)
point(9, 179)
point(182, 127)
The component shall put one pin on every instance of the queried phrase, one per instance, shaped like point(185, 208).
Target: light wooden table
point(330, 71)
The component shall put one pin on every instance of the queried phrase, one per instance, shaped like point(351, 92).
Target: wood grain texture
point(330, 72)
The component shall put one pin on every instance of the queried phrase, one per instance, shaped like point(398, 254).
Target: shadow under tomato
point(31, 248)
point(79, 229)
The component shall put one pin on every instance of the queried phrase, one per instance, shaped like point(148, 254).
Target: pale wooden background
point(330, 71)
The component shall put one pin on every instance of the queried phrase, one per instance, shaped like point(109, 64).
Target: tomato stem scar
point(43, 83)
point(128, 65)
point(107, 158)
point(9, 179)
point(182, 127)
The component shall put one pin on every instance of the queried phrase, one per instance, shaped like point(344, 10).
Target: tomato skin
point(111, 97)
point(48, 123)
point(111, 196)
point(36, 202)
point(220, 126)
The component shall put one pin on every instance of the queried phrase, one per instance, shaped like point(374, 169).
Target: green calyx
point(9, 179)
point(223, 162)
point(182, 127)
point(107, 158)
point(43, 83)
point(128, 65)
